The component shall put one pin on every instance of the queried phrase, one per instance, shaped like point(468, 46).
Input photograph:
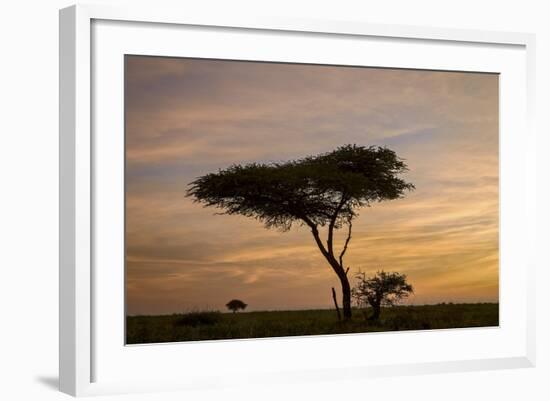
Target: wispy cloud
point(189, 117)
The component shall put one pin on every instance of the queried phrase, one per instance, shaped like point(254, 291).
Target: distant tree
point(235, 305)
point(326, 190)
point(382, 289)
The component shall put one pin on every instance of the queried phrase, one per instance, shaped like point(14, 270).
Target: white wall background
point(29, 187)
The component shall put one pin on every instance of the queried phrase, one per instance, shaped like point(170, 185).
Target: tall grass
point(212, 325)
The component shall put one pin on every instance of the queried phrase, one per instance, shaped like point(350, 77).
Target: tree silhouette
point(383, 289)
point(316, 191)
point(236, 304)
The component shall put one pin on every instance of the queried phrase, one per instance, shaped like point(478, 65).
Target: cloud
point(189, 117)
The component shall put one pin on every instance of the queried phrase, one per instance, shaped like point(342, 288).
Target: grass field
point(216, 326)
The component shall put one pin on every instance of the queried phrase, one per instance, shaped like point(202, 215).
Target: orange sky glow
point(189, 117)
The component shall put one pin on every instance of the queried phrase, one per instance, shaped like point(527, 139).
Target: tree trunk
point(336, 304)
point(346, 296)
point(375, 312)
point(337, 267)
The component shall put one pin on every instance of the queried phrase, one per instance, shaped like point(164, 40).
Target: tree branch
point(341, 258)
point(338, 269)
point(315, 232)
point(330, 238)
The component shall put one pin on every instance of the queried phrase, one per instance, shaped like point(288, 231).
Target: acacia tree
point(236, 304)
point(326, 190)
point(383, 289)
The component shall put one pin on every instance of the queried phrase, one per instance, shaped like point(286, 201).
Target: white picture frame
point(79, 158)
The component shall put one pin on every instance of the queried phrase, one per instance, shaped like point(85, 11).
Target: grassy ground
point(216, 325)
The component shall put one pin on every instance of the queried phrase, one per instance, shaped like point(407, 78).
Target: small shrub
point(382, 289)
point(199, 318)
point(236, 304)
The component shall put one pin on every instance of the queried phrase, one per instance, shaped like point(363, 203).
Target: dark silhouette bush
point(235, 304)
point(382, 289)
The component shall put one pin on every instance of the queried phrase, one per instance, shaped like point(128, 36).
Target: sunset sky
point(189, 117)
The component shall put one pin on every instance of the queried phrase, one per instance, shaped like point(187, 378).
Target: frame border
point(75, 173)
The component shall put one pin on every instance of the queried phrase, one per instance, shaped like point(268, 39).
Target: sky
point(189, 117)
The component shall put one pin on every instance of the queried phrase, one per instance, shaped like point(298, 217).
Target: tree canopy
point(236, 304)
point(315, 190)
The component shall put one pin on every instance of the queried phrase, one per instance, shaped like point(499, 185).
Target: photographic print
point(269, 199)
